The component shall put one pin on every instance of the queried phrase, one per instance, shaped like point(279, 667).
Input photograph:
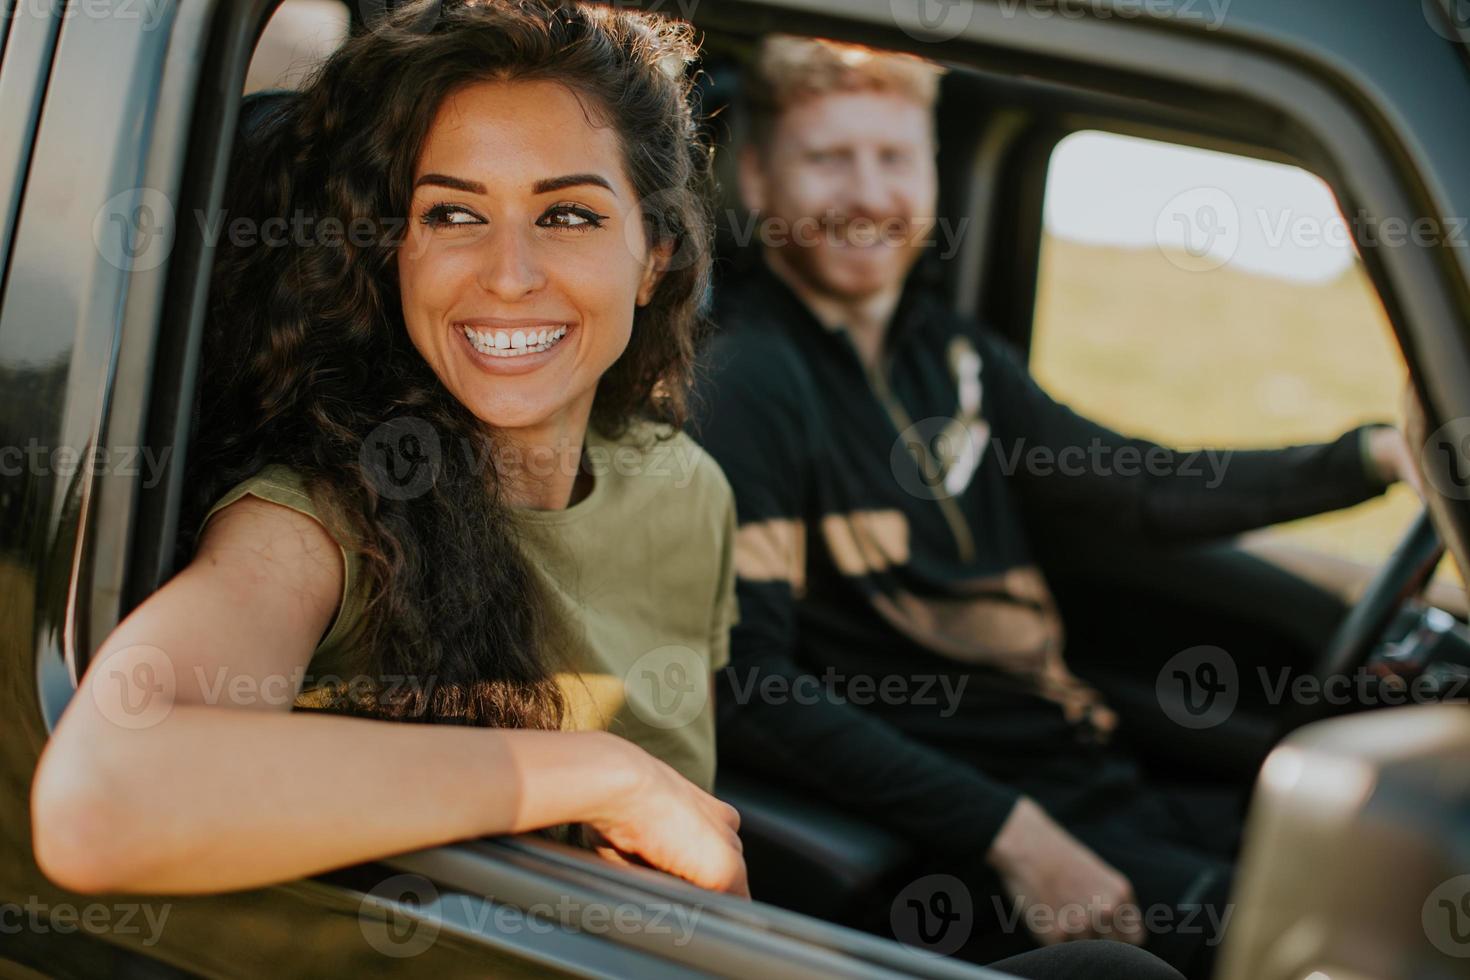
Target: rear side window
point(298, 37)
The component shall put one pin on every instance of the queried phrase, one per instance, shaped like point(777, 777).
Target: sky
point(1217, 208)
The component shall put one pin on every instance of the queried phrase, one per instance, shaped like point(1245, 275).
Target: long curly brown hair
point(305, 352)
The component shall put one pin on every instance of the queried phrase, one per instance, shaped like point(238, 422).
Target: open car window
point(1205, 299)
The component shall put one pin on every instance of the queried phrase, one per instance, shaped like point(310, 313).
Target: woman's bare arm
point(216, 785)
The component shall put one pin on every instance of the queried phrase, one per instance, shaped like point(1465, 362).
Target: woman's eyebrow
point(570, 180)
point(545, 186)
point(454, 183)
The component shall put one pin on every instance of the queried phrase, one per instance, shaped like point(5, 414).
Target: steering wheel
point(1402, 577)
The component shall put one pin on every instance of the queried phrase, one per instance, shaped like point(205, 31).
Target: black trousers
point(1175, 844)
point(1093, 960)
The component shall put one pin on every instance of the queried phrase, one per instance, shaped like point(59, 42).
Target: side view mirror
point(1357, 857)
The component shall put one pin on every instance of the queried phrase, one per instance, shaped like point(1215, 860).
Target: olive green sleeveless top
point(640, 571)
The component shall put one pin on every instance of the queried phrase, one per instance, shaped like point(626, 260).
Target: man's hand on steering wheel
point(1391, 458)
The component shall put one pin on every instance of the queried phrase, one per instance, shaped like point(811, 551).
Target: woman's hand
point(673, 825)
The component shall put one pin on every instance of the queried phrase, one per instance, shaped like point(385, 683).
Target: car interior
point(996, 131)
point(810, 857)
point(998, 125)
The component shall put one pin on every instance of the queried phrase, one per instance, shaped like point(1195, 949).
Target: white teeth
point(500, 343)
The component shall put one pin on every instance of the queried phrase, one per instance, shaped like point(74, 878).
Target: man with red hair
point(876, 441)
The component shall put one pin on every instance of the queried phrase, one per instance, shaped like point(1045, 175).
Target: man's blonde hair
point(789, 69)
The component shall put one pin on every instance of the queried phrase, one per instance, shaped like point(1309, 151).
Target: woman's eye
point(443, 215)
point(571, 216)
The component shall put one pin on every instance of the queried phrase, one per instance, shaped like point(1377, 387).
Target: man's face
point(847, 189)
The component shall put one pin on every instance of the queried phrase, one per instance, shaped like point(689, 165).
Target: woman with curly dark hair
point(436, 477)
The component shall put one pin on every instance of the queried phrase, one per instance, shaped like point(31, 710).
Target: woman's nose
point(510, 268)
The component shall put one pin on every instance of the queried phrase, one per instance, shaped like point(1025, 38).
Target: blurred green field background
point(1224, 358)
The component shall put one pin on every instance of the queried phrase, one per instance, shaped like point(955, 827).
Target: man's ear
point(653, 272)
point(751, 175)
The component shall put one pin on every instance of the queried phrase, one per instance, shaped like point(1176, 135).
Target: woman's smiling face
point(525, 254)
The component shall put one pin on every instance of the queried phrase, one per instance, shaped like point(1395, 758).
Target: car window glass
point(299, 35)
